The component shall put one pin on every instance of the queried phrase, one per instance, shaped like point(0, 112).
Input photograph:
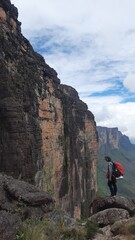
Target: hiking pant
point(113, 186)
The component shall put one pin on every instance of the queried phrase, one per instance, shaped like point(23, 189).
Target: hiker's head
point(107, 159)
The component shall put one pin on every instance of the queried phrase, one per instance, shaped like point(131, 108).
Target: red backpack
point(118, 169)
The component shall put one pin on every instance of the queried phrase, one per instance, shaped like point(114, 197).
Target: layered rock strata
point(47, 135)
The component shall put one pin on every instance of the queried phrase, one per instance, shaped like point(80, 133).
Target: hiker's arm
point(110, 168)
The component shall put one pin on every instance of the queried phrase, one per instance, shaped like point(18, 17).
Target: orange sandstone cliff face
point(69, 148)
point(47, 135)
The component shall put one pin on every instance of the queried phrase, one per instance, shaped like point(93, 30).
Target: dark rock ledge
point(19, 201)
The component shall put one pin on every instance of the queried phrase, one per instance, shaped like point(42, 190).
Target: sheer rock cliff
point(47, 135)
point(112, 138)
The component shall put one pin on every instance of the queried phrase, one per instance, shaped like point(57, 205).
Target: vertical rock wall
point(69, 148)
point(47, 135)
point(20, 134)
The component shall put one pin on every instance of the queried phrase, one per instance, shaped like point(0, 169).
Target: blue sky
point(91, 45)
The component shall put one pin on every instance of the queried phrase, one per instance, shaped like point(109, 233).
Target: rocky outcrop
point(107, 210)
point(109, 216)
point(47, 135)
point(18, 202)
point(115, 217)
point(103, 203)
point(16, 194)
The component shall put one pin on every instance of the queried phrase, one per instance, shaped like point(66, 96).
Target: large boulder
point(16, 194)
point(109, 216)
point(103, 203)
point(18, 201)
point(26, 192)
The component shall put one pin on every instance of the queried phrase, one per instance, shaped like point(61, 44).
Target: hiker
point(112, 182)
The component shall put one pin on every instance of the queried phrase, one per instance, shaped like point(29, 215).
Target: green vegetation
point(47, 230)
point(31, 230)
point(126, 229)
point(131, 228)
point(91, 229)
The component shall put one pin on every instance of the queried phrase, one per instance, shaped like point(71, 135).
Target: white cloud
point(94, 16)
point(129, 82)
point(109, 112)
point(99, 38)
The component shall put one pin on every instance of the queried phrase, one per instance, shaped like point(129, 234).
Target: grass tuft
point(47, 230)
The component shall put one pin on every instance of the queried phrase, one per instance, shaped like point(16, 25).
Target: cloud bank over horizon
point(91, 45)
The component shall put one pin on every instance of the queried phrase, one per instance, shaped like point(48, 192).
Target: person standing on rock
point(112, 182)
